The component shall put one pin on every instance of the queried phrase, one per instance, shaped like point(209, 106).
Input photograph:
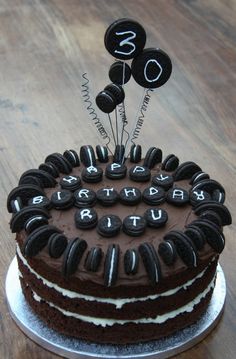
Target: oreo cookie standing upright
point(135, 153)
point(87, 155)
point(170, 163)
point(72, 256)
point(111, 265)
point(102, 153)
point(131, 261)
point(153, 156)
point(151, 262)
point(73, 157)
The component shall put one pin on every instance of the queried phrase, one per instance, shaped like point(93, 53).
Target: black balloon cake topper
point(150, 68)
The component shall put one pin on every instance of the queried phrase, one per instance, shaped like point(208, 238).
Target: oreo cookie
point(62, 164)
point(109, 225)
point(92, 174)
point(134, 225)
point(16, 205)
point(31, 180)
point(198, 177)
point(84, 198)
point(214, 236)
point(153, 195)
point(50, 168)
point(139, 174)
point(184, 246)
point(34, 222)
point(86, 218)
point(87, 156)
point(24, 192)
point(119, 73)
point(72, 256)
point(125, 39)
point(177, 196)
point(107, 196)
point(170, 163)
point(198, 196)
point(130, 196)
point(119, 153)
point(196, 235)
point(153, 156)
point(186, 170)
point(71, 183)
point(117, 92)
point(40, 201)
point(208, 185)
point(62, 199)
point(111, 265)
point(45, 178)
point(151, 262)
point(93, 259)
point(102, 153)
point(135, 153)
point(218, 196)
point(219, 208)
point(163, 180)
point(38, 239)
point(212, 217)
point(115, 171)
point(105, 101)
point(18, 220)
point(167, 252)
point(131, 261)
point(57, 244)
point(156, 217)
point(72, 157)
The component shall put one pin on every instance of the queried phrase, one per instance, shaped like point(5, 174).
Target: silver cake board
point(69, 347)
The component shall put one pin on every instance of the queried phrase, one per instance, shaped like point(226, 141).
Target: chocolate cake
point(116, 247)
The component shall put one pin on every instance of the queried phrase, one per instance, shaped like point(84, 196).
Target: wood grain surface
point(46, 45)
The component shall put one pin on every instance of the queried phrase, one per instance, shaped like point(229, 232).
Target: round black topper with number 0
point(152, 68)
point(125, 39)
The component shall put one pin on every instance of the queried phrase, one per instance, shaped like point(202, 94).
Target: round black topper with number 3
point(152, 68)
point(125, 39)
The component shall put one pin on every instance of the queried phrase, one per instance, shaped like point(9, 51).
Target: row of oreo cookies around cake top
point(185, 244)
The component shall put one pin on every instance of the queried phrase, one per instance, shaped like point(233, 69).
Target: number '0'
point(145, 70)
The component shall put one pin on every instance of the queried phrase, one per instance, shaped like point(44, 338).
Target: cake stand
point(69, 347)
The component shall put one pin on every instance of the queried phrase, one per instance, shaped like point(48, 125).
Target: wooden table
point(46, 46)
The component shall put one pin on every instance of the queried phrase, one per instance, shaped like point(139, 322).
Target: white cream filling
point(158, 320)
point(118, 303)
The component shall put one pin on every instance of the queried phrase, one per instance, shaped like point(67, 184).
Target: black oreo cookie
point(139, 174)
point(134, 225)
point(92, 174)
point(38, 239)
point(214, 236)
point(135, 153)
point(62, 199)
point(31, 180)
point(93, 259)
point(50, 168)
point(62, 164)
point(107, 196)
point(218, 196)
point(119, 72)
point(196, 235)
point(130, 196)
point(198, 176)
point(153, 195)
point(208, 185)
point(111, 265)
point(156, 217)
point(45, 178)
point(199, 196)
point(163, 180)
point(109, 225)
point(84, 197)
point(87, 156)
point(72, 256)
point(115, 171)
point(186, 170)
point(212, 217)
point(119, 154)
point(34, 222)
point(170, 163)
point(151, 262)
point(72, 183)
point(177, 196)
point(153, 156)
point(18, 220)
point(86, 218)
point(184, 246)
point(168, 252)
point(102, 153)
point(57, 244)
point(219, 208)
point(131, 261)
point(73, 157)
point(16, 205)
point(40, 201)
point(24, 192)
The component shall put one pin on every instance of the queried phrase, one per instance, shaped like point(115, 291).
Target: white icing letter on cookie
point(37, 200)
point(178, 193)
point(138, 169)
point(83, 193)
point(71, 179)
point(85, 213)
point(127, 191)
point(114, 166)
point(134, 218)
point(108, 190)
point(153, 190)
point(200, 196)
point(91, 169)
point(153, 214)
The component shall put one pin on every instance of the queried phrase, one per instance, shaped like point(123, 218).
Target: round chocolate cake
point(118, 251)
